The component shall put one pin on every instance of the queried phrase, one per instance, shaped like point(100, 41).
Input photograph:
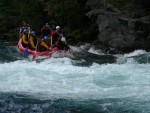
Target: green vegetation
point(135, 8)
point(13, 12)
point(69, 14)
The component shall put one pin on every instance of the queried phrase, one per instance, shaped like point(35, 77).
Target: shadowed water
point(10, 103)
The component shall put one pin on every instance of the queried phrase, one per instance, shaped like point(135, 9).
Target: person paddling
point(56, 36)
point(58, 40)
point(43, 43)
point(32, 40)
point(25, 38)
point(23, 26)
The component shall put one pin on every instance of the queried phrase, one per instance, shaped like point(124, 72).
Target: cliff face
point(121, 25)
point(70, 15)
point(118, 24)
point(121, 29)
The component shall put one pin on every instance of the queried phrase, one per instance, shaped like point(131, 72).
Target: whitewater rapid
point(59, 78)
point(63, 85)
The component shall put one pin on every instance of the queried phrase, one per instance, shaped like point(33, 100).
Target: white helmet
point(57, 27)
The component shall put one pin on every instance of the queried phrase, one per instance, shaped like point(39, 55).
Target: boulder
point(96, 4)
point(117, 30)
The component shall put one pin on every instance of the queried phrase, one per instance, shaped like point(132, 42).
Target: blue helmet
point(25, 30)
point(33, 32)
point(45, 37)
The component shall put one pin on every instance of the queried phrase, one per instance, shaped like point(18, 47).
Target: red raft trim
point(37, 53)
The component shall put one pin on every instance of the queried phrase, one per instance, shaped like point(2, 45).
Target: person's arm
point(31, 42)
point(43, 44)
point(24, 39)
point(42, 30)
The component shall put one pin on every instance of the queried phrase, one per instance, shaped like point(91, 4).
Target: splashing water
point(58, 85)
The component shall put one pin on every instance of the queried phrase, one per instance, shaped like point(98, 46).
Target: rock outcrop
point(116, 30)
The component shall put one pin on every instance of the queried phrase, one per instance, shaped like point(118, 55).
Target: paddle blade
point(26, 52)
point(34, 56)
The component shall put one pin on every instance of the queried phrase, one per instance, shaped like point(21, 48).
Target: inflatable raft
point(36, 53)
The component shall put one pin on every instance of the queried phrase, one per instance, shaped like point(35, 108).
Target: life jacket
point(29, 31)
point(40, 40)
point(26, 36)
point(32, 36)
point(52, 33)
point(55, 36)
point(56, 33)
point(32, 40)
point(44, 44)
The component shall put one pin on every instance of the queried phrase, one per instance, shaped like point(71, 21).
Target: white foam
point(135, 53)
point(94, 51)
point(58, 78)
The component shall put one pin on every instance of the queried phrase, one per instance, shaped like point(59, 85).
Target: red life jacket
point(55, 36)
point(52, 33)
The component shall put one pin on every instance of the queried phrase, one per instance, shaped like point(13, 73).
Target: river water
point(62, 85)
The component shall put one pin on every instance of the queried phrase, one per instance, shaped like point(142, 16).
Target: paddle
point(34, 56)
point(24, 38)
point(26, 52)
point(51, 41)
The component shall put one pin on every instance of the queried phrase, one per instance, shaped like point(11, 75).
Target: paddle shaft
point(34, 56)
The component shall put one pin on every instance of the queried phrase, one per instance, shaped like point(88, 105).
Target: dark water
point(144, 58)
point(15, 103)
point(9, 53)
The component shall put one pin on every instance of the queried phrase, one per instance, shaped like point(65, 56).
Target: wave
point(137, 56)
point(74, 84)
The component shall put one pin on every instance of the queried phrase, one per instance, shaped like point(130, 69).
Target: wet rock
point(95, 4)
point(117, 30)
point(79, 54)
